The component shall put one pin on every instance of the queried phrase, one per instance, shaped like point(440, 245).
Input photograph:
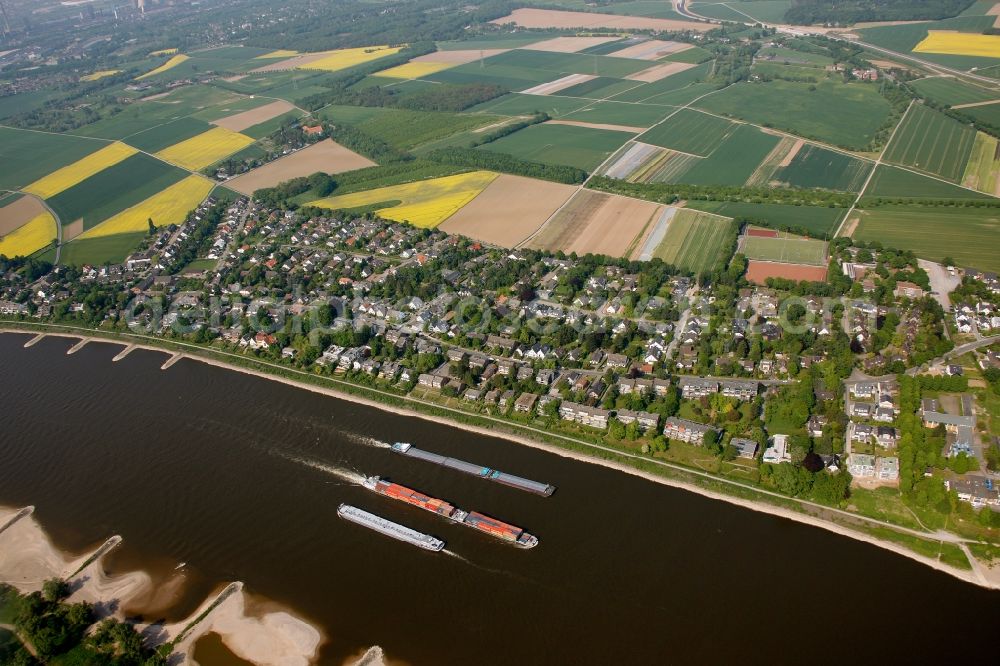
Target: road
point(681, 324)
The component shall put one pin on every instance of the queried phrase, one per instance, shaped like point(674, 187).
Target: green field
point(518, 105)
point(932, 142)
point(27, 156)
point(902, 38)
point(818, 221)
point(814, 166)
point(695, 56)
point(158, 138)
point(689, 131)
point(509, 40)
point(114, 189)
point(652, 92)
point(406, 129)
point(649, 8)
point(734, 161)
point(695, 241)
point(260, 130)
point(98, 251)
point(505, 76)
point(988, 114)
point(969, 235)
point(847, 115)
point(781, 54)
point(568, 63)
point(581, 147)
point(766, 11)
point(789, 249)
point(892, 182)
point(618, 113)
point(599, 88)
point(951, 91)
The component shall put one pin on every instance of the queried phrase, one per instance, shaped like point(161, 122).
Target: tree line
point(672, 192)
point(504, 163)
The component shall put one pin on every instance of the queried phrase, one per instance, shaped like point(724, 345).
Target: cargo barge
point(473, 519)
point(521, 483)
point(389, 528)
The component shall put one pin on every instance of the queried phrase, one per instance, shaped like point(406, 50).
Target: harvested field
point(652, 49)
point(19, 213)
point(567, 81)
point(459, 57)
point(509, 210)
point(790, 155)
point(759, 271)
point(607, 126)
point(780, 156)
point(326, 156)
point(240, 121)
point(630, 158)
point(659, 72)
point(569, 44)
point(72, 230)
point(551, 18)
point(694, 240)
point(599, 223)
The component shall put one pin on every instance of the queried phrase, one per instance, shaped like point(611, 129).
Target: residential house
point(741, 390)
point(861, 465)
point(777, 450)
point(595, 417)
point(525, 402)
point(696, 387)
point(646, 420)
point(745, 448)
point(887, 469)
point(688, 431)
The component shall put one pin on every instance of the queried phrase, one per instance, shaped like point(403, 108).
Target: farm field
point(28, 156)
point(326, 156)
point(332, 61)
point(169, 206)
point(951, 91)
point(656, 91)
point(551, 18)
point(506, 76)
point(568, 63)
point(846, 115)
point(425, 203)
point(414, 70)
point(815, 166)
point(581, 147)
point(617, 113)
point(733, 162)
point(932, 142)
point(904, 38)
point(570, 44)
point(767, 11)
point(205, 149)
point(968, 235)
point(516, 105)
point(660, 71)
point(163, 136)
point(643, 163)
point(238, 122)
point(407, 129)
point(30, 237)
point(165, 67)
point(17, 210)
point(695, 241)
point(599, 88)
point(78, 171)
point(893, 182)
point(983, 168)
point(691, 132)
point(785, 248)
point(819, 221)
point(114, 189)
point(509, 210)
point(954, 43)
point(599, 223)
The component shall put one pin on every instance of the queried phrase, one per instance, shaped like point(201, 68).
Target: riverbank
point(274, 637)
point(755, 499)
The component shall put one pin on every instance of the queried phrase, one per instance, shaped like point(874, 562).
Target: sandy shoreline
point(979, 575)
point(28, 558)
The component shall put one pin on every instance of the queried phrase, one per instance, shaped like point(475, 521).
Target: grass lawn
point(98, 251)
point(885, 504)
point(694, 240)
point(581, 147)
point(969, 235)
point(789, 250)
point(846, 115)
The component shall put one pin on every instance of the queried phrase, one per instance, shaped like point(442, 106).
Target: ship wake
point(349, 475)
point(364, 440)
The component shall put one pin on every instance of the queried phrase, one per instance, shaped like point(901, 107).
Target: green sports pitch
point(785, 248)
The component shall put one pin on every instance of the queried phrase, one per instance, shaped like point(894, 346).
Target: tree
point(55, 589)
point(152, 227)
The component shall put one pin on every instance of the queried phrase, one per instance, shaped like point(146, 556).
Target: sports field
point(581, 147)
point(205, 149)
point(932, 142)
point(691, 132)
point(78, 171)
point(425, 203)
point(170, 206)
point(695, 241)
point(785, 248)
point(969, 235)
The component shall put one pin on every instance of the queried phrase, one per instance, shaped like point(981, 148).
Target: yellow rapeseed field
point(170, 64)
point(344, 58)
point(280, 53)
point(163, 52)
point(425, 203)
point(29, 237)
point(206, 148)
point(414, 70)
point(170, 206)
point(79, 171)
point(960, 43)
point(99, 75)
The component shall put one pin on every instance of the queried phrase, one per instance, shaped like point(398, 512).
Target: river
point(241, 478)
